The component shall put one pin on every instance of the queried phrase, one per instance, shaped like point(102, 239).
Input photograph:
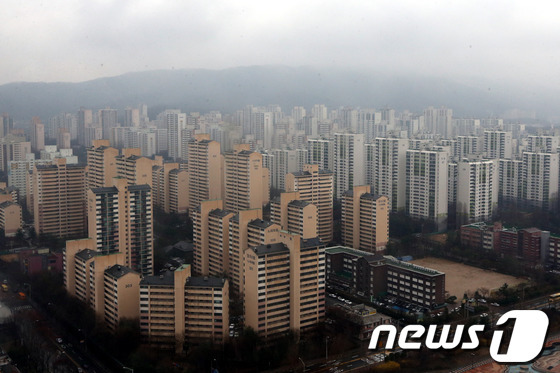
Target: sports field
point(461, 278)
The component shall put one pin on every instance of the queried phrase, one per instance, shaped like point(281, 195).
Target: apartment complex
point(294, 215)
point(477, 190)
point(102, 164)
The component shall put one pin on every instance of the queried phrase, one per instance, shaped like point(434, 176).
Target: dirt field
point(460, 278)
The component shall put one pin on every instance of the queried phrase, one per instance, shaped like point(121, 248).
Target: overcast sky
point(56, 40)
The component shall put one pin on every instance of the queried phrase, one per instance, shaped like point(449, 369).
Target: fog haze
point(469, 41)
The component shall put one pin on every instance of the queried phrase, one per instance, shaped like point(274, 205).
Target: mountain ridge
point(231, 89)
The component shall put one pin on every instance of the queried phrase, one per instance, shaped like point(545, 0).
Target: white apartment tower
point(349, 160)
point(477, 190)
point(426, 186)
point(385, 170)
point(497, 144)
point(540, 180)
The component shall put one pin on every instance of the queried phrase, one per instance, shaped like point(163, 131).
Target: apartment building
point(206, 310)
point(13, 148)
point(365, 219)
point(477, 191)
point(317, 187)
point(121, 220)
point(349, 166)
point(170, 187)
point(385, 169)
point(320, 152)
point(294, 215)
point(134, 168)
point(102, 164)
point(59, 206)
point(121, 289)
point(540, 180)
point(284, 286)
point(497, 145)
point(426, 186)
point(246, 180)
point(10, 218)
point(205, 165)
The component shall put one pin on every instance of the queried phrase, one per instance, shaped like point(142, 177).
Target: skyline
point(470, 41)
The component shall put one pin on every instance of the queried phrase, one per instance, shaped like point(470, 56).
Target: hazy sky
point(58, 40)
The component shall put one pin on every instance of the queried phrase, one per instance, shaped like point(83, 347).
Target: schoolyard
point(461, 278)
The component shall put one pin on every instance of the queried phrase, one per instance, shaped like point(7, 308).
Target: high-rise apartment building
point(426, 186)
point(497, 144)
point(102, 164)
point(85, 120)
point(108, 118)
point(294, 215)
point(120, 220)
point(6, 125)
point(321, 152)
point(315, 186)
point(59, 204)
point(205, 165)
point(510, 181)
point(37, 135)
point(365, 219)
point(385, 169)
point(131, 117)
point(477, 190)
point(247, 229)
point(121, 290)
point(176, 308)
point(13, 148)
point(246, 180)
point(134, 168)
point(540, 180)
point(439, 121)
point(176, 124)
point(543, 144)
point(349, 168)
point(170, 190)
point(292, 272)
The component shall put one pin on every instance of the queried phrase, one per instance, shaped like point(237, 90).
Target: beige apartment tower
point(59, 206)
point(284, 285)
point(10, 218)
point(121, 289)
point(170, 187)
point(294, 215)
point(211, 238)
point(205, 165)
point(317, 187)
point(246, 180)
point(102, 164)
point(365, 219)
point(134, 168)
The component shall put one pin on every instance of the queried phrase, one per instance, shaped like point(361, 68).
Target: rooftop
point(412, 267)
point(213, 282)
point(86, 254)
point(346, 250)
point(259, 223)
point(274, 248)
point(117, 271)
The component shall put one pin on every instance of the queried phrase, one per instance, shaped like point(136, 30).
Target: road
point(51, 330)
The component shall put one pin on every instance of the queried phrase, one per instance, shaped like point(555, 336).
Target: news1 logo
point(526, 343)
